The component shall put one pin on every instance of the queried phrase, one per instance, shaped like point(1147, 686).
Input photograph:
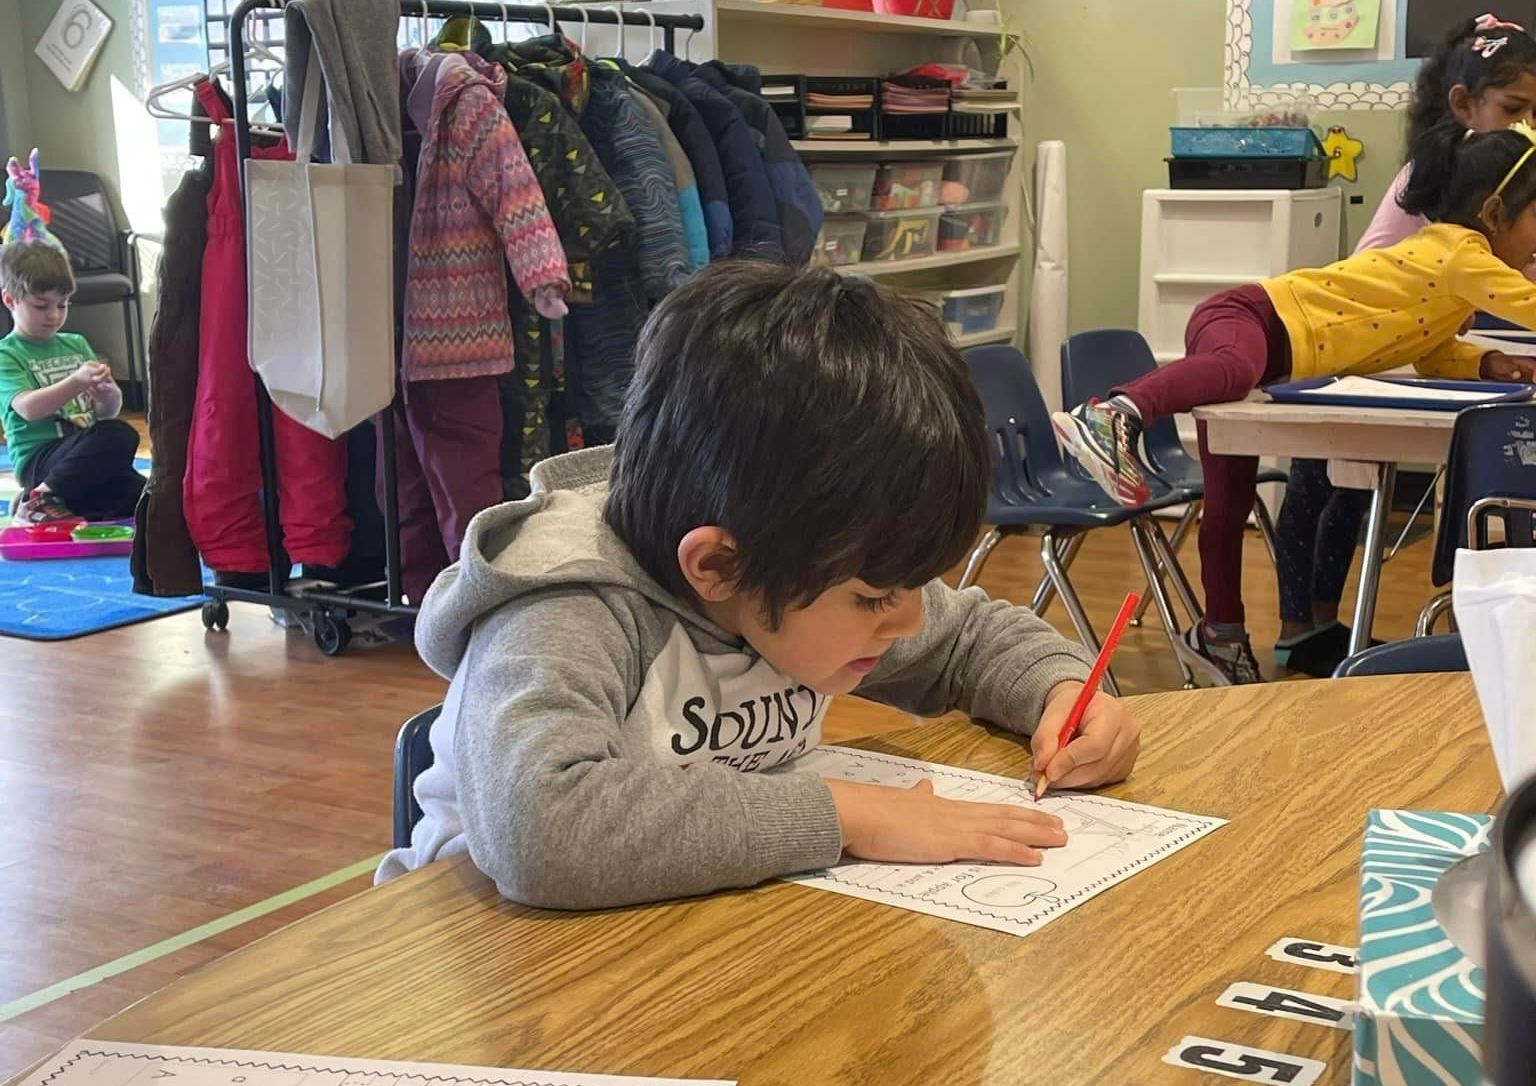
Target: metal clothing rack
point(330, 608)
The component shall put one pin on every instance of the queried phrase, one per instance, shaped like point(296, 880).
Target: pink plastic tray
point(17, 545)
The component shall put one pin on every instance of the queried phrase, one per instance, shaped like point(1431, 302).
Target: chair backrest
point(1094, 362)
point(1018, 424)
point(1415, 656)
point(83, 221)
point(1492, 455)
point(413, 755)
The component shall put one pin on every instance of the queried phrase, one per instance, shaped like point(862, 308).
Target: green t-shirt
point(26, 365)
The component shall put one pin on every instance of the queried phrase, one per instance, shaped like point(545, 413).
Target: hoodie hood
point(555, 538)
point(434, 80)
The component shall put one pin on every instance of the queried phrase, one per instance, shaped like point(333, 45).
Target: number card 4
point(1244, 1062)
point(1284, 1003)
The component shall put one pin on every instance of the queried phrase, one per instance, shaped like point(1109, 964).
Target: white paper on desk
point(1494, 595)
point(1511, 342)
point(1108, 841)
point(1388, 390)
point(115, 1063)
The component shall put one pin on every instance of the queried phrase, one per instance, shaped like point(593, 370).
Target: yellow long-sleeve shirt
point(1385, 308)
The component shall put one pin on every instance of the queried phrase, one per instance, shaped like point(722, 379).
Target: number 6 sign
point(72, 41)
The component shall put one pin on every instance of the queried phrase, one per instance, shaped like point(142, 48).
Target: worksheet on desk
point(114, 1063)
point(1108, 841)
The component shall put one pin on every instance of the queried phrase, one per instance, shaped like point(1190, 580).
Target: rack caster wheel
point(332, 634)
point(215, 615)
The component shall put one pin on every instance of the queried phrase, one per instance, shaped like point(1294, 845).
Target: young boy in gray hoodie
point(641, 649)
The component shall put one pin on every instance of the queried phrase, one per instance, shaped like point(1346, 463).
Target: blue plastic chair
point(413, 755)
point(1490, 470)
point(1415, 656)
point(1093, 363)
point(1032, 488)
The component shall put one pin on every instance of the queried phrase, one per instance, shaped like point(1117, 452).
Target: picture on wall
point(1428, 20)
point(1334, 24)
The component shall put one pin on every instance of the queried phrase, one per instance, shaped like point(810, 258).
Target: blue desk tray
point(1498, 392)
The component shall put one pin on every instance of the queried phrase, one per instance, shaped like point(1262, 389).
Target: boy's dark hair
point(826, 422)
point(1455, 61)
point(34, 268)
point(1453, 172)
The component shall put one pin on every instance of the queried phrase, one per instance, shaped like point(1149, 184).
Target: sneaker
point(1318, 653)
point(41, 507)
point(1104, 441)
point(1224, 664)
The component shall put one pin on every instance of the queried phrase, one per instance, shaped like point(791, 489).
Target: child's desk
point(1377, 439)
point(789, 985)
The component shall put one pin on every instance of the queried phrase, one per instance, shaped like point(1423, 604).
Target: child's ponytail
point(1477, 54)
point(1431, 166)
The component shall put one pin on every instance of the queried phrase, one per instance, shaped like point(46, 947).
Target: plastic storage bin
point(903, 185)
point(841, 240)
point(1244, 142)
point(900, 235)
point(975, 178)
point(971, 226)
point(968, 312)
point(843, 188)
point(1251, 172)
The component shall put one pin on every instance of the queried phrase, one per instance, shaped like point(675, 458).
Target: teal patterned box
point(1421, 999)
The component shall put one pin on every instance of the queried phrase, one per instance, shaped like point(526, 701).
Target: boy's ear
point(707, 557)
point(7, 300)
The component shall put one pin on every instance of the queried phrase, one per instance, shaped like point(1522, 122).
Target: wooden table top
point(787, 984)
point(1260, 427)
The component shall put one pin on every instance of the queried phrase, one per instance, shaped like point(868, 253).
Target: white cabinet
point(1195, 242)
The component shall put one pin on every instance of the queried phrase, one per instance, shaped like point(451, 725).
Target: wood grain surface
point(1380, 434)
point(787, 984)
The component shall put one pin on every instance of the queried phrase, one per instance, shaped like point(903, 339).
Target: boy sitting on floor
point(641, 649)
point(72, 456)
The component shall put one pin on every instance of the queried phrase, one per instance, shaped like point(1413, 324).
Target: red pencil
point(1085, 695)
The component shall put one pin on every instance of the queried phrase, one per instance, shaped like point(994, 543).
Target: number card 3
point(1284, 1003)
point(1314, 955)
point(1243, 1062)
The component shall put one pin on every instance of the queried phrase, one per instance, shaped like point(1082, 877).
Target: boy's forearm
point(42, 402)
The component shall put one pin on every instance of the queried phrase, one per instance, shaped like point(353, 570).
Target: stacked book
point(837, 124)
point(895, 98)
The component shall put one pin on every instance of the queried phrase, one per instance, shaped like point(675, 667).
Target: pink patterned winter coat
point(477, 203)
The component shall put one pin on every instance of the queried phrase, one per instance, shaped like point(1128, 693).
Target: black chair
point(1094, 362)
point(413, 755)
point(1415, 656)
point(104, 258)
point(1490, 470)
point(1032, 488)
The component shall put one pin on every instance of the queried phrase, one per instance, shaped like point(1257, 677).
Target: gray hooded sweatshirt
point(602, 743)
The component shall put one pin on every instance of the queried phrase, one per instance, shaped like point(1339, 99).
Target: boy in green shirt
point(71, 454)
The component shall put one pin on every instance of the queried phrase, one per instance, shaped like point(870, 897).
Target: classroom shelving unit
point(787, 38)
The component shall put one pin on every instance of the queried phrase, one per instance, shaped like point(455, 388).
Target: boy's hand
point(91, 375)
point(1105, 748)
point(1498, 366)
point(912, 825)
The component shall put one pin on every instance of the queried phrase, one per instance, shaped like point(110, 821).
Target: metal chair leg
point(1187, 520)
point(979, 555)
point(1266, 526)
point(1162, 549)
point(1147, 553)
point(1431, 614)
point(1057, 573)
point(1045, 590)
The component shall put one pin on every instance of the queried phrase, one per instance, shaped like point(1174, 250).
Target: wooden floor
point(157, 777)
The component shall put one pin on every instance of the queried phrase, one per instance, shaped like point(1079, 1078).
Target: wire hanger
point(586, 23)
point(506, 24)
point(424, 24)
point(688, 45)
point(155, 107)
point(554, 27)
point(619, 12)
point(652, 20)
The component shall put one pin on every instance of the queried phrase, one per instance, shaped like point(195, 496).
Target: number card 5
point(1244, 1062)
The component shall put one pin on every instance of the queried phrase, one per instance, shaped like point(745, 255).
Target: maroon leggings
point(1235, 343)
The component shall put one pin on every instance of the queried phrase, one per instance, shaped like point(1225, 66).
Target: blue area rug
point(62, 598)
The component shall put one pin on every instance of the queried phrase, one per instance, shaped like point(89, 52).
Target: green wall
point(1103, 75)
point(13, 80)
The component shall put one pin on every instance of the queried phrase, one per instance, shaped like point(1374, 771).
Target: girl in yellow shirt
point(1370, 312)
